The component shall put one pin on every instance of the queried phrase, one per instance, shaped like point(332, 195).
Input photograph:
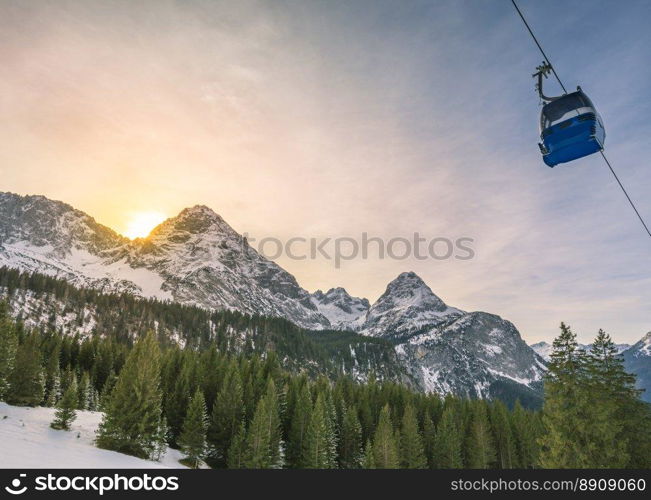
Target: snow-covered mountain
point(196, 258)
point(637, 360)
point(406, 308)
point(448, 350)
point(544, 349)
point(342, 310)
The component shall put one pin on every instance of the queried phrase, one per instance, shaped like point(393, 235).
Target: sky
point(326, 119)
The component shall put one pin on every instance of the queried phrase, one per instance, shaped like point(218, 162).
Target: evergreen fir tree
point(93, 402)
point(411, 442)
point(106, 391)
point(26, 381)
point(54, 393)
point(66, 409)
point(8, 346)
point(525, 434)
point(448, 442)
point(296, 446)
point(161, 439)
point(263, 448)
point(613, 395)
point(227, 415)
point(332, 430)
point(507, 457)
point(350, 441)
point(177, 400)
point(84, 395)
point(369, 460)
point(193, 437)
point(566, 406)
point(385, 448)
point(133, 420)
point(236, 450)
point(316, 451)
point(429, 438)
point(480, 449)
point(53, 378)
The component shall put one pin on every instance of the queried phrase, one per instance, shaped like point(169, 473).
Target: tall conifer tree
point(385, 446)
point(448, 442)
point(350, 441)
point(193, 436)
point(227, 414)
point(133, 422)
point(263, 447)
point(316, 454)
point(8, 346)
point(27, 380)
point(566, 405)
point(66, 409)
point(302, 409)
point(507, 457)
point(411, 442)
point(480, 448)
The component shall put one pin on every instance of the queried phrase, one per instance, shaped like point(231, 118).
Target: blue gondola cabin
point(570, 128)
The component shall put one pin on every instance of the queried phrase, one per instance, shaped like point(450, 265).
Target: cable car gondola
point(570, 126)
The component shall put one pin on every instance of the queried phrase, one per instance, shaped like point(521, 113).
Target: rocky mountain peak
point(52, 225)
point(407, 307)
point(643, 346)
point(338, 294)
point(197, 220)
point(409, 290)
point(342, 309)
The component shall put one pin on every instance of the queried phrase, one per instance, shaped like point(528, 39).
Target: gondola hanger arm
point(542, 71)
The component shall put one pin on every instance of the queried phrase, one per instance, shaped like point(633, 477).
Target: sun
point(141, 224)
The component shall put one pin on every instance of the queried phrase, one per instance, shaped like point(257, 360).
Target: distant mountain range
point(544, 349)
point(197, 259)
point(637, 360)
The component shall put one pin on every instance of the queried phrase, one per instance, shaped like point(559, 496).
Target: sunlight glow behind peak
point(142, 223)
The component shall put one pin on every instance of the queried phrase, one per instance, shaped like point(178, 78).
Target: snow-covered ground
point(28, 442)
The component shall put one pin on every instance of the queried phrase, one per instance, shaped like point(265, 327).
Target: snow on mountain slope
point(342, 310)
point(470, 354)
point(29, 442)
point(542, 349)
point(642, 349)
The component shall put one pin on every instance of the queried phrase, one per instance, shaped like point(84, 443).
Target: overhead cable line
point(542, 51)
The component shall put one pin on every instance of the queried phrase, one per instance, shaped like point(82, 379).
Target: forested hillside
point(53, 305)
point(231, 390)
